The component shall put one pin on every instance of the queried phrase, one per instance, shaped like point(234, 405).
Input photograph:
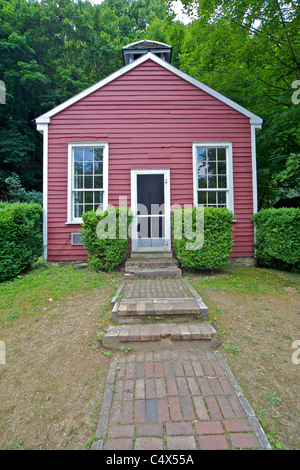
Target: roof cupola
point(137, 49)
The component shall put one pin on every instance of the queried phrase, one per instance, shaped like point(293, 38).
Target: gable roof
point(45, 118)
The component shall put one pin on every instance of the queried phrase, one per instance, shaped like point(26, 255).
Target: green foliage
point(105, 237)
point(21, 240)
point(249, 51)
point(278, 238)
point(51, 50)
point(217, 244)
point(17, 193)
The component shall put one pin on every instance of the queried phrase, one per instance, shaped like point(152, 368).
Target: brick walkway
point(156, 288)
point(168, 400)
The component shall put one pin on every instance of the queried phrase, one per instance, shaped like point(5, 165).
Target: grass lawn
point(51, 320)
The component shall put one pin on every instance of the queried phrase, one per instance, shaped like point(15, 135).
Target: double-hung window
point(213, 176)
point(88, 175)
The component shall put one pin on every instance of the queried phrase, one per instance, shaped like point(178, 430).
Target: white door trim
point(156, 171)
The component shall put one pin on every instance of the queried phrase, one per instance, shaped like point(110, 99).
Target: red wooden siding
point(150, 118)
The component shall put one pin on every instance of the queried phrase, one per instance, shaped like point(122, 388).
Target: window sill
point(74, 223)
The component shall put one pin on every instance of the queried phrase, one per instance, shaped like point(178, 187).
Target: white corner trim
point(254, 129)
point(71, 146)
point(43, 129)
point(229, 163)
point(149, 56)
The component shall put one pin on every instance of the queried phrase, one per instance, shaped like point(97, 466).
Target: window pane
point(222, 154)
point(88, 168)
point(211, 154)
point(222, 198)
point(78, 210)
point(212, 181)
point(78, 154)
point(212, 168)
point(78, 168)
point(88, 154)
point(202, 169)
point(88, 197)
point(202, 154)
point(202, 182)
point(88, 182)
point(88, 207)
point(78, 182)
point(98, 197)
point(78, 197)
point(212, 198)
point(222, 182)
point(98, 168)
point(98, 181)
point(98, 155)
point(202, 197)
point(222, 168)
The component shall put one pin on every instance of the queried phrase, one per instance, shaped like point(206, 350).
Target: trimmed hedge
point(217, 243)
point(278, 238)
point(21, 237)
point(106, 248)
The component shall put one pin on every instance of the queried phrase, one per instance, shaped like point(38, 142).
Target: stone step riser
point(151, 255)
point(150, 263)
point(168, 310)
point(163, 336)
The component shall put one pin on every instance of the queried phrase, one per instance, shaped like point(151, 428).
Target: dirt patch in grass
point(257, 315)
point(53, 382)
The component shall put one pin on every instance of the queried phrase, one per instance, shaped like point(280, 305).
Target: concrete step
point(159, 336)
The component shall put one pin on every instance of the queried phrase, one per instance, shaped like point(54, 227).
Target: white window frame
point(229, 171)
point(71, 146)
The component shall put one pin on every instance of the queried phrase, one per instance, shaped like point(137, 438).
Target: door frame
point(167, 197)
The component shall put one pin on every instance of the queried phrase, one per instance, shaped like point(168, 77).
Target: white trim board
point(43, 129)
point(45, 118)
point(229, 170)
point(71, 146)
point(167, 196)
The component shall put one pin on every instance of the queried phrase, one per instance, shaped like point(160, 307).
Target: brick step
point(167, 310)
point(160, 336)
point(153, 273)
point(150, 263)
point(169, 300)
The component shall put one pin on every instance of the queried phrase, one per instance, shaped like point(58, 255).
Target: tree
point(250, 51)
point(51, 50)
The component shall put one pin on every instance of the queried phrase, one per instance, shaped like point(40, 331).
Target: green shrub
point(106, 248)
point(278, 238)
point(217, 242)
point(16, 193)
point(21, 237)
